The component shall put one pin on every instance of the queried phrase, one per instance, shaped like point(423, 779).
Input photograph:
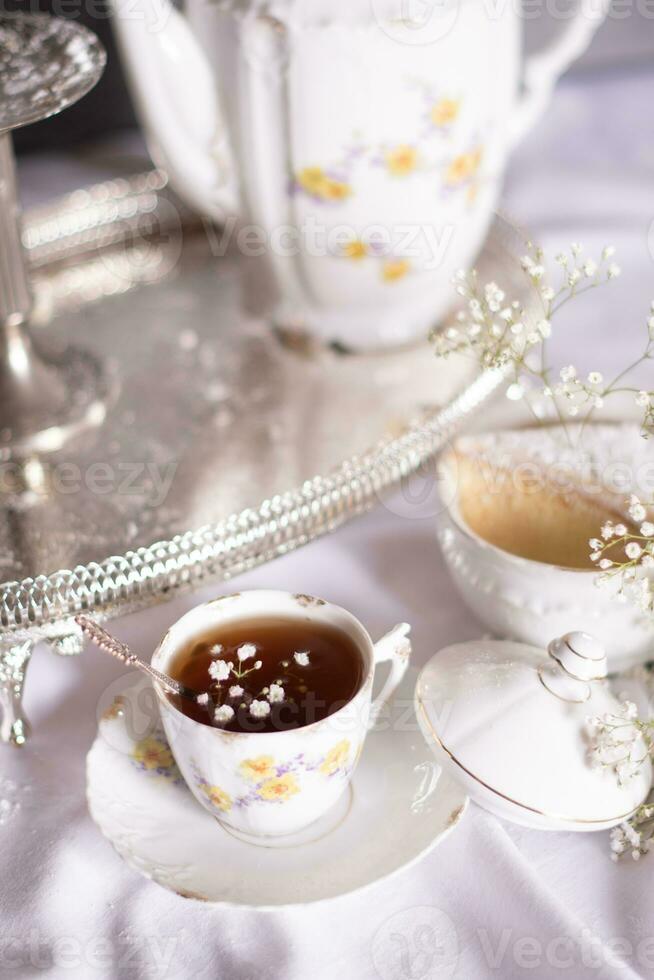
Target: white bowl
point(531, 601)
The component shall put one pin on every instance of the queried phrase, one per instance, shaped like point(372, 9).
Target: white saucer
point(400, 806)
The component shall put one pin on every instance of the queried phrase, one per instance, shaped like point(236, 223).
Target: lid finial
point(579, 658)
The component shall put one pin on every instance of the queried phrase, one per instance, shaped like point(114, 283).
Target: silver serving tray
point(225, 444)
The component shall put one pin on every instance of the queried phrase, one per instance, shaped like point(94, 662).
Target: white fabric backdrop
point(517, 902)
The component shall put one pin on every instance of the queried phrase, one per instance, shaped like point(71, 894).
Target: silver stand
point(46, 64)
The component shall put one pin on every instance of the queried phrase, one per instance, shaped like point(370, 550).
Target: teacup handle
point(543, 69)
point(395, 647)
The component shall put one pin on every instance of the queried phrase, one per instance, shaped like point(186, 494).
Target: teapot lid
point(513, 724)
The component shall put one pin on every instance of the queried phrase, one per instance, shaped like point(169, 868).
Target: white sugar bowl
point(511, 723)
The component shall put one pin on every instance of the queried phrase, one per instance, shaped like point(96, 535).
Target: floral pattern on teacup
point(278, 788)
point(152, 754)
point(254, 770)
point(336, 758)
point(270, 782)
point(217, 797)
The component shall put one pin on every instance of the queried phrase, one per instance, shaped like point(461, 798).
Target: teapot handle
point(543, 69)
point(177, 101)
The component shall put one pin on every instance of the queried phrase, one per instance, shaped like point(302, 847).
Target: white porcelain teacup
point(264, 785)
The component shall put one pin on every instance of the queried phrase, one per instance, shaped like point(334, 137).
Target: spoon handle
point(123, 653)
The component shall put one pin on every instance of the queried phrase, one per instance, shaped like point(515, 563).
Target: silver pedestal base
point(48, 399)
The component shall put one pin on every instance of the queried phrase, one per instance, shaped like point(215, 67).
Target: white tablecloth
point(519, 902)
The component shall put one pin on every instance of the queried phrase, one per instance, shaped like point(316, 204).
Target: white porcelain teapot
point(361, 143)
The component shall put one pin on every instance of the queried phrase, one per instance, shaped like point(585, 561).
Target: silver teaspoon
point(105, 641)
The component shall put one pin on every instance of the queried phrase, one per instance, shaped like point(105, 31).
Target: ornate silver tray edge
point(242, 540)
point(43, 607)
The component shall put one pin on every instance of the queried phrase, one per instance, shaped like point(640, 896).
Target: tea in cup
point(286, 703)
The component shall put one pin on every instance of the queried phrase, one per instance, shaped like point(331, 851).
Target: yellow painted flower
point(445, 111)
point(401, 161)
point(394, 269)
point(257, 769)
point(336, 758)
point(153, 754)
point(315, 182)
point(463, 167)
point(218, 797)
point(311, 179)
point(335, 190)
point(356, 249)
point(279, 787)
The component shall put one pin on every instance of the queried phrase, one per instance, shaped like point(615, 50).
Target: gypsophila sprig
point(233, 689)
point(621, 742)
point(498, 333)
point(625, 556)
point(635, 836)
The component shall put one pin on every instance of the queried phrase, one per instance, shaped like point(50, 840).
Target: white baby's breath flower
point(568, 373)
point(223, 714)
point(246, 651)
point(276, 693)
point(302, 658)
point(544, 328)
point(515, 392)
point(236, 691)
point(608, 252)
point(216, 650)
point(643, 399)
point(647, 529)
point(576, 249)
point(203, 698)
point(220, 670)
point(619, 531)
point(595, 378)
point(607, 531)
point(574, 277)
point(613, 271)
point(637, 512)
point(633, 550)
point(596, 544)
point(259, 709)
point(258, 665)
point(605, 564)
point(590, 268)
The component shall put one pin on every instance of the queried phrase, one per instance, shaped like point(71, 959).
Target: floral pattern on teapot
point(457, 173)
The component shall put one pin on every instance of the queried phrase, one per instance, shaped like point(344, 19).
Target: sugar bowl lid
point(511, 722)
